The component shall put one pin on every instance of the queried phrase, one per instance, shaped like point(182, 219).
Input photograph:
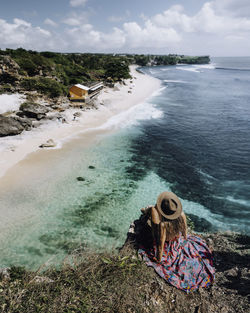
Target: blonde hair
point(175, 227)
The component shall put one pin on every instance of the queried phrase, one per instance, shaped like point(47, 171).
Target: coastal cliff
point(121, 282)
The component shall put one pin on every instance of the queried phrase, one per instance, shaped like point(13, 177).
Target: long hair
point(175, 227)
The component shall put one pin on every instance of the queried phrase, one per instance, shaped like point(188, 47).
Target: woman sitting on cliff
point(181, 259)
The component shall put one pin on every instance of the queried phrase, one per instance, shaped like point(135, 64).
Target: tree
point(117, 69)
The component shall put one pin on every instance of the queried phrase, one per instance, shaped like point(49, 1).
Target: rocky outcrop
point(230, 293)
point(5, 273)
point(8, 71)
point(33, 110)
point(48, 144)
point(8, 65)
point(10, 126)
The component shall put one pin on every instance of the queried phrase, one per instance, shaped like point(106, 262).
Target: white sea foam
point(175, 81)
point(152, 72)
point(131, 117)
point(210, 66)
point(189, 69)
point(208, 178)
point(198, 68)
point(157, 92)
point(10, 103)
point(199, 210)
point(239, 201)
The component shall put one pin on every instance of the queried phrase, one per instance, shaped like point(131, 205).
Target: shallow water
point(191, 138)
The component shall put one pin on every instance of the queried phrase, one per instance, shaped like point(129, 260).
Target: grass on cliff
point(121, 283)
point(98, 283)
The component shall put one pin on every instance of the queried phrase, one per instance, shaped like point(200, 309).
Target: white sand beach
point(92, 122)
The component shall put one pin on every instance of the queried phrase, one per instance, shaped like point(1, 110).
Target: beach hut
point(84, 93)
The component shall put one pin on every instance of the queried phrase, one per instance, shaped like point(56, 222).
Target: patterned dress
point(186, 263)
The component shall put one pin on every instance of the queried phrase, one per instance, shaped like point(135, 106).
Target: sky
point(190, 27)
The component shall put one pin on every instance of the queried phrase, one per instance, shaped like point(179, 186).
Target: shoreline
point(91, 123)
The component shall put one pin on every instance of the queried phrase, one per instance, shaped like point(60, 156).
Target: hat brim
point(168, 195)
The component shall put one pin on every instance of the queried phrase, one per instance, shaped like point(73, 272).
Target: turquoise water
point(190, 137)
point(63, 215)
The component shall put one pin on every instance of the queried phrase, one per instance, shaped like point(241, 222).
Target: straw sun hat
point(169, 205)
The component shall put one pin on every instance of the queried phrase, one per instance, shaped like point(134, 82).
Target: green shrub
point(27, 65)
point(44, 85)
point(7, 78)
point(117, 70)
point(5, 88)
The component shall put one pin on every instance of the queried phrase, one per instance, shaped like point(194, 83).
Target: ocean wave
point(197, 68)
point(175, 81)
point(158, 92)
point(233, 69)
point(152, 72)
point(189, 69)
point(210, 66)
point(239, 201)
point(208, 177)
point(131, 117)
point(199, 210)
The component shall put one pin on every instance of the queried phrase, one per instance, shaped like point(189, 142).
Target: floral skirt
point(186, 263)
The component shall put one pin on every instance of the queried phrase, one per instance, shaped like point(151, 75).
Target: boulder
point(54, 116)
point(5, 273)
point(77, 114)
point(48, 144)
point(33, 110)
point(10, 126)
point(25, 122)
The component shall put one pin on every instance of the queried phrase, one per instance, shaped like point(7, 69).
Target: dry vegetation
point(121, 282)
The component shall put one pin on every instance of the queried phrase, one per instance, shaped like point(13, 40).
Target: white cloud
point(207, 20)
point(149, 35)
point(173, 17)
point(21, 33)
point(87, 37)
point(170, 31)
point(78, 3)
point(219, 25)
point(49, 22)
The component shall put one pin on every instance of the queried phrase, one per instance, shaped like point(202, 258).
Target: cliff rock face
point(230, 292)
point(7, 64)
point(10, 126)
point(33, 110)
point(8, 70)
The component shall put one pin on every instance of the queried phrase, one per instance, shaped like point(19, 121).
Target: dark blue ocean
point(190, 137)
point(201, 144)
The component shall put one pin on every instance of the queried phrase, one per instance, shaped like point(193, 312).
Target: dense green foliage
point(171, 59)
point(194, 60)
point(44, 85)
point(117, 70)
point(53, 73)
